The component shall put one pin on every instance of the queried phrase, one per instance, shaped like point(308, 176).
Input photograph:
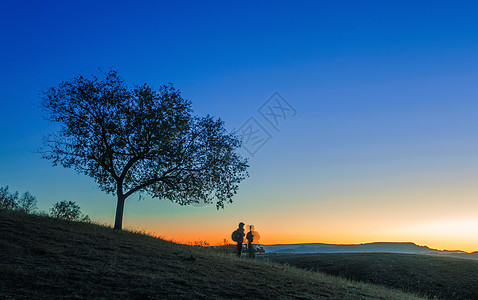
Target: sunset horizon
point(358, 121)
point(142, 140)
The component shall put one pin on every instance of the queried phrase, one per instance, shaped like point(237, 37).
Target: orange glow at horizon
point(214, 239)
point(425, 234)
point(440, 217)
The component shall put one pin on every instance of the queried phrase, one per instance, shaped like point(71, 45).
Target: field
point(425, 275)
point(45, 258)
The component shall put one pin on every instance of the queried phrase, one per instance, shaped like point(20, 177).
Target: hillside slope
point(44, 258)
point(428, 275)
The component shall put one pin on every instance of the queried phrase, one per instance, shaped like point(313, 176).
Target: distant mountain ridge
point(389, 247)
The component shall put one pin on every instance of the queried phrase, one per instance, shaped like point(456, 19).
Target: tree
point(68, 211)
point(7, 199)
point(136, 139)
point(26, 203)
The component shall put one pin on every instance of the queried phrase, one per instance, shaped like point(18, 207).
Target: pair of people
point(250, 240)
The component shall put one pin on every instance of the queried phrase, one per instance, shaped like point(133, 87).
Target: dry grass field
point(426, 275)
point(45, 258)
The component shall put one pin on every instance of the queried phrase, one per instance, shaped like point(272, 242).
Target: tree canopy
point(131, 139)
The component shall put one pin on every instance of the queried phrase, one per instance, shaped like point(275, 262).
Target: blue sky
point(385, 92)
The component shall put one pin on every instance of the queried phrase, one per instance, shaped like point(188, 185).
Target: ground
point(45, 258)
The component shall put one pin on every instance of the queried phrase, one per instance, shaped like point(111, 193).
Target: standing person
point(240, 238)
point(250, 240)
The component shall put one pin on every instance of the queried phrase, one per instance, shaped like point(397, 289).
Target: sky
point(376, 140)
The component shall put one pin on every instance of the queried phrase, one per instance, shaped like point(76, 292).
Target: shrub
point(199, 243)
point(26, 203)
point(8, 200)
point(68, 211)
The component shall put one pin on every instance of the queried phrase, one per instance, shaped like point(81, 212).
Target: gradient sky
point(384, 146)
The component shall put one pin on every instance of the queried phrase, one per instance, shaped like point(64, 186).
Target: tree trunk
point(119, 212)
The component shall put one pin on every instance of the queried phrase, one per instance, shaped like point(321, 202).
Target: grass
point(45, 258)
point(426, 275)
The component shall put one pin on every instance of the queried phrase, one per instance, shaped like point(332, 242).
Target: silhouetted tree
point(7, 199)
point(138, 139)
point(68, 211)
point(26, 203)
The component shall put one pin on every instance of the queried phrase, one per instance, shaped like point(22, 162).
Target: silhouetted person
point(240, 239)
point(250, 240)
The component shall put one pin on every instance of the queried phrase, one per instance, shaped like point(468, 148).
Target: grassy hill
point(45, 258)
point(427, 275)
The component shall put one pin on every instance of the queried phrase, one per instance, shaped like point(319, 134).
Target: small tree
point(138, 139)
point(8, 200)
point(26, 203)
point(68, 211)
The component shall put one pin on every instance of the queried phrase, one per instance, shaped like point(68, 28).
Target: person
point(240, 239)
point(250, 240)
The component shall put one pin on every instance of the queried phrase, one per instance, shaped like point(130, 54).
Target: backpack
point(250, 237)
point(235, 236)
